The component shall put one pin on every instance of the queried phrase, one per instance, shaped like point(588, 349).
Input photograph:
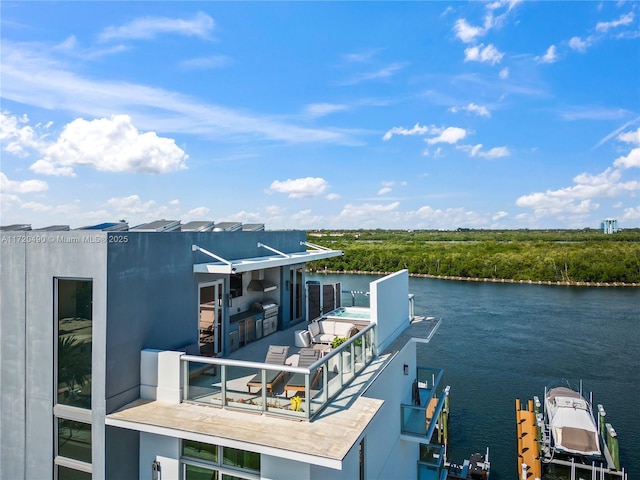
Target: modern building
point(159, 353)
point(609, 225)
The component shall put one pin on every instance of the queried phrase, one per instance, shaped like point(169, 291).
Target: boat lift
point(536, 452)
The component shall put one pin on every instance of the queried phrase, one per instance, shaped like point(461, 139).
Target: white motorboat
point(571, 423)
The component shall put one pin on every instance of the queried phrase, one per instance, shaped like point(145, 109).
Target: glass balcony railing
point(276, 389)
point(421, 420)
point(431, 463)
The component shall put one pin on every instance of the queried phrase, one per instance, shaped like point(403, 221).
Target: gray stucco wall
point(30, 262)
point(145, 295)
point(12, 358)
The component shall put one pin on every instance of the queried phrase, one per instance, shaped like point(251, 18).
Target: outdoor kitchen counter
point(242, 315)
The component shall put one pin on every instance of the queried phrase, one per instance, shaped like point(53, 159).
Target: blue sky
point(437, 115)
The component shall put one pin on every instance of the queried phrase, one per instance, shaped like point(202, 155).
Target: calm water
point(499, 342)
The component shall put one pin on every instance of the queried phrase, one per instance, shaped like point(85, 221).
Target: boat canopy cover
point(571, 422)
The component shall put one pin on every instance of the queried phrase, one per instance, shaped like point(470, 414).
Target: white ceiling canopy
point(280, 259)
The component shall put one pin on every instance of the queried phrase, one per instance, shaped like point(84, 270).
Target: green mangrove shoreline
point(483, 280)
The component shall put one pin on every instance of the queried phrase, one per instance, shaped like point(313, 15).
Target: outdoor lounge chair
point(277, 355)
point(308, 356)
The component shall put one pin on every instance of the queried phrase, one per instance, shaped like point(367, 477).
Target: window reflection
point(74, 440)
point(74, 315)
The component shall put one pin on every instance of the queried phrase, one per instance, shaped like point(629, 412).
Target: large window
point(74, 331)
point(201, 461)
point(65, 473)
point(73, 450)
point(74, 440)
point(72, 367)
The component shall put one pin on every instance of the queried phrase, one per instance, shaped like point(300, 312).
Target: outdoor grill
point(269, 323)
point(269, 309)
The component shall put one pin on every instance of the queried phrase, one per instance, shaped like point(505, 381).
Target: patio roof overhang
point(240, 265)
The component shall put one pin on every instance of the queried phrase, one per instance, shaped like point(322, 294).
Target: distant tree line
point(536, 255)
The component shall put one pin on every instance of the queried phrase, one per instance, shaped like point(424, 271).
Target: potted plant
point(338, 341)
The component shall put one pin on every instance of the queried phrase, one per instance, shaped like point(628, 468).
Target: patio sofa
point(324, 331)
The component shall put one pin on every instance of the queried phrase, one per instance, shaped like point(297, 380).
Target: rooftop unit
point(197, 226)
point(253, 227)
point(159, 226)
point(108, 227)
point(227, 227)
point(18, 227)
point(53, 228)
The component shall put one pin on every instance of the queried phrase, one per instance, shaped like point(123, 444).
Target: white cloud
point(316, 110)
point(630, 137)
point(504, 73)
point(624, 20)
point(149, 27)
point(300, 187)
point(332, 196)
point(466, 32)
point(496, 152)
point(415, 130)
point(479, 110)
point(112, 145)
point(131, 205)
point(550, 56)
point(273, 209)
point(578, 198)
point(17, 137)
point(195, 214)
point(448, 218)
point(476, 151)
point(631, 213)
point(384, 190)
point(448, 135)
point(367, 212)
point(489, 54)
point(25, 186)
point(630, 161)
point(579, 45)
point(499, 216)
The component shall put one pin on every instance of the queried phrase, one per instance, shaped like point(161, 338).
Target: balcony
point(419, 421)
point(223, 382)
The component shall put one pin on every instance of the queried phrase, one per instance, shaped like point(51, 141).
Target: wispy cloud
point(33, 76)
point(149, 27)
point(380, 74)
point(360, 57)
point(415, 130)
point(624, 20)
point(479, 110)
point(206, 63)
point(593, 113)
point(476, 151)
point(316, 110)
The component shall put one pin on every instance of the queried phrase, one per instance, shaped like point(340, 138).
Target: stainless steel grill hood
point(259, 284)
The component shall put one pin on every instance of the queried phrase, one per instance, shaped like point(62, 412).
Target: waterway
point(498, 342)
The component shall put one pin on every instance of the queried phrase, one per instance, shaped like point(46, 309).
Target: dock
point(529, 464)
